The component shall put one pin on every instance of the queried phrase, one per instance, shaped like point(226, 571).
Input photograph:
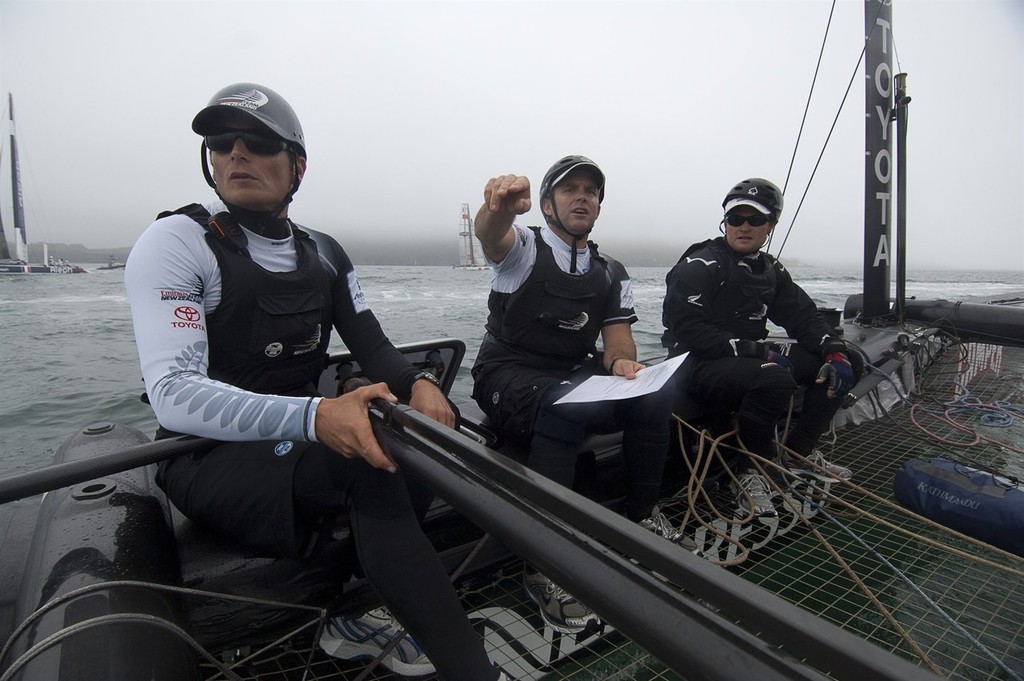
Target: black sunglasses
point(257, 144)
point(736, 220)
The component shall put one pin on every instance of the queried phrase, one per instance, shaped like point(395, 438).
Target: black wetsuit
point(244, 369)
point(716, 296)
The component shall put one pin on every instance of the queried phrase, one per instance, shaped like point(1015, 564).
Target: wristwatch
point(427, 375)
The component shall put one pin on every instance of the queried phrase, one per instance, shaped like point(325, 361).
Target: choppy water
point(69, 354)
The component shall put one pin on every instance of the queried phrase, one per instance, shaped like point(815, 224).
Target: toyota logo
point(186, 313)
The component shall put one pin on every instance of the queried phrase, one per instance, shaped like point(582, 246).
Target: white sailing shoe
point(363, 637)
point(818, 466)
point(560, 609)
point(753, 495)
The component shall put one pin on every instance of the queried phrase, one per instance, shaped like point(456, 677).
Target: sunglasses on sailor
point(257, 144)
point(757, 220)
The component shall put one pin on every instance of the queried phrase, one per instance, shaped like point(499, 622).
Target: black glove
point(749, 348)
point(779, 359)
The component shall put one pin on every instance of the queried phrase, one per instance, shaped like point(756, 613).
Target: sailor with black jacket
point(720, 296)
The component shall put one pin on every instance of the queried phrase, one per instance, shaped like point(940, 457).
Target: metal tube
point(590, 551)
point(901, 103)
point(74, 472)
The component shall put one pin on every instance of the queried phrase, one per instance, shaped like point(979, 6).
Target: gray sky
point(408, 108)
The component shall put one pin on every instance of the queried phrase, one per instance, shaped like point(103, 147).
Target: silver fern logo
point(574, 324)
point(250, 99)
point(760, 314)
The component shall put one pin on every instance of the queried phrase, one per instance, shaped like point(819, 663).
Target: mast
point(4, 250)
point(878, 165)
point(20, 241)
point(902, 102)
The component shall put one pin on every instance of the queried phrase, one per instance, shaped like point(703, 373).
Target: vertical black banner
point(878, 165)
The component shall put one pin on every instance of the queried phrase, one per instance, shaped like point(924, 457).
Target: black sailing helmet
point(240, 105)
point(562, 168)
point(757, 192)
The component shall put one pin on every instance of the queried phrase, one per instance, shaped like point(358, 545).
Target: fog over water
point(409, 107)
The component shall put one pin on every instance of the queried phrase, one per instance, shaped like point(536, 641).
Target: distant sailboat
point(112, 263)
point(470, 256)
point(19, 263)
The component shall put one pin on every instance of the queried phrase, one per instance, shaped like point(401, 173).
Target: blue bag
point(978, 503)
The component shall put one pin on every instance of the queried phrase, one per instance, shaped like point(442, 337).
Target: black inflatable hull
point(92, 541)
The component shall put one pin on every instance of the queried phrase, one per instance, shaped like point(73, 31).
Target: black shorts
point(243, 490)
point(509, 394)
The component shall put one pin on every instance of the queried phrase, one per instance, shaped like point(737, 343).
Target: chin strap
point(556, 223)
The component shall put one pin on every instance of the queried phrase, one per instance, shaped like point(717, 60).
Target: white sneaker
point(818, 466)
point(559, 608)
point(659, 524)
point(753, 495)
point(362, 638)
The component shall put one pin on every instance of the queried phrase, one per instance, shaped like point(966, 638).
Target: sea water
point(69, 359)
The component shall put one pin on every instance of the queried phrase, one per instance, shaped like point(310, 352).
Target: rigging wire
point(981, 647)
point(821, 154)
point(807, 105)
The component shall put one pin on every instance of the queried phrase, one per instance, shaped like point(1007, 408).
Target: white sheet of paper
point(648, 380)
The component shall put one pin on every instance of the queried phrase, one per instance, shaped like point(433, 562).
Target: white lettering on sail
point(883, 197)
point(883, 167)
point(882, 251)
point(886, 28)
point(883, 80)
point(882, 161)
point(883, 120)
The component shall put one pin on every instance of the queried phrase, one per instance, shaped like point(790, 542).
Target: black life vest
point(747, 288)
point(270, 331)
point(554, 319)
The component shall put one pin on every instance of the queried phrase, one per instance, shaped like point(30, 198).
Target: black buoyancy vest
point(270, 331)
point(747, 289)
point(554, 314)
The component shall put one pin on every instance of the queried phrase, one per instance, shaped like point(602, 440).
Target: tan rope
point(1018, 572)
point(708, 449)
point(851, 573)
point(695, 485)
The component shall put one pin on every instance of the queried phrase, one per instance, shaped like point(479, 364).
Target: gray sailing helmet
point(239, 105)
point(562, 168)
point(758, 193)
